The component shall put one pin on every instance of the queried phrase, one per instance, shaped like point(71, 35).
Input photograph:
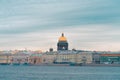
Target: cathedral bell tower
point(62, 43)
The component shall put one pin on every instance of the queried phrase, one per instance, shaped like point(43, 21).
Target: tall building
point(62, 43)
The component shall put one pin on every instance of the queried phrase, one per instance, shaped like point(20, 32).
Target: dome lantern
point(62, 38)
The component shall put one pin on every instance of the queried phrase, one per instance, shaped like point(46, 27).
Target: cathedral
point(62, 43)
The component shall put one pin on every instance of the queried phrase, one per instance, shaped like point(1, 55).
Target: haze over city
point(37, 24)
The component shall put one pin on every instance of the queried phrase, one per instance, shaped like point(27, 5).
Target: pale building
point(20, 58)
point(96, 58)
point(68, 57)
point(65, 57)
point(35, 58)
point(84, 57)
point(49, 57)
point(5, 58)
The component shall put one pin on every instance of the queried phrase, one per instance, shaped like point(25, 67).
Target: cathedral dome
point(62, 43)
point(62, 38)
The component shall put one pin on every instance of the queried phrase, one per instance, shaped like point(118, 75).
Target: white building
point(67, 57)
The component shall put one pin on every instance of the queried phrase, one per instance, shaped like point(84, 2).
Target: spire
point(62, 34)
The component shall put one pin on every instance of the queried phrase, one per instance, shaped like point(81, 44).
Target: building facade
point(49, 57)
point(35, 58)
point(84, 57)
point(96, 58)
point(110, 58)
point(68, 57)
point(65, 57)
point(5, 58)
point(19, 58)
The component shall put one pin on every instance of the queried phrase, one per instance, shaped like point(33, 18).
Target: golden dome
point(62, 38)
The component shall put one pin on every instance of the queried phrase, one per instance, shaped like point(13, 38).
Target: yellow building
point(49, 57)
point(5, 58)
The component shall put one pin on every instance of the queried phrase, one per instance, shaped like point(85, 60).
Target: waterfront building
point(65, 57)
point(5, 58)
point(49, 57)
point(62, 43)
point(84, 57)
point(35, 58)
point(20, 58)
point(110, 58)
point(42, 58)
point(96, 58)
point(70, 56)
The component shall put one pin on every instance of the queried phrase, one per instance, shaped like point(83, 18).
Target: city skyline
point(38, 24)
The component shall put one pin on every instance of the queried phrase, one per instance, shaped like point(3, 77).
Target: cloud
point(92, 25)
point(98, 37)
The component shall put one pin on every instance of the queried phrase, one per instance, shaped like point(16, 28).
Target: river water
point(58, 73)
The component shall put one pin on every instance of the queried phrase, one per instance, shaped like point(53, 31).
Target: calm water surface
point(58, 73)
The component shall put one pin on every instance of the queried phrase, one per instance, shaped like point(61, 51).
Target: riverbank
point(100, 65)
point(50, 64)
point(91, 65)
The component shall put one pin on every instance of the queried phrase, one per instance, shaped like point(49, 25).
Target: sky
point(37, 24)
